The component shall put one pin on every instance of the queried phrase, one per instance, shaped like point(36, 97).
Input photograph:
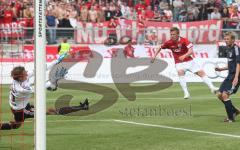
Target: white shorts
point(191, 66)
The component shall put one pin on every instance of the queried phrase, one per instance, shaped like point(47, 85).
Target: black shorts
point(226, 85)
point(21, 115)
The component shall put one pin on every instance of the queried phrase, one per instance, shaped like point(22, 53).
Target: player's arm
point(20, 89)
point(189, 52)
point(221, 68)
point(235, 80)
point(159, 49)
point(50, 65)
point(59, 48)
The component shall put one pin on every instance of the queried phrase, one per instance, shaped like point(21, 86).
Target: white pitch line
point(148, 125)
point(106, 120)
point(180, 129)
point(53, 121)
point(159, 98)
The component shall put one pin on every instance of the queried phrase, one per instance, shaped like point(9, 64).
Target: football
point(51, 86)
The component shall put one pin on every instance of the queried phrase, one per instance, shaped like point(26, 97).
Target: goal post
point(40, 74)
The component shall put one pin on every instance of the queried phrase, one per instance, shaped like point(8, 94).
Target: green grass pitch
point(160, 120)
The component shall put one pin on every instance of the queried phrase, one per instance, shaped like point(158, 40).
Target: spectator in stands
point(139, 7)
point(65, 22)
point(141, 31)
point(151, 37)
point(8, 15)
point(163, 5)
point(89, 4)
point(132, 14)
point(112, 36)
point(112, 8)
point(234, 18)
point(225, 16)
point(157, 15)
point(92, 13)
point(183, 16)
point(118, 13)
point(100, 15)
point(125, 10)
point(72, 16)
point(177, 6)
point(195, 11)
point(215, 14)
point(149, 13)
point(108, 13)
point(168, 14)
point(202, 12)
point(209, 8)
point(84, 13)
point(14, 10)
point(51, 27)
point(141, 15)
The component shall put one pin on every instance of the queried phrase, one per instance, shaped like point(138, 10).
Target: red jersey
point(149, 14)
point(139, 8)
point(112, 27)
point(8, 16)
point(129, 51)
point(178, 48)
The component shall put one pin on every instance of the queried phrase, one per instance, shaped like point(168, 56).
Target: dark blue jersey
point(233, 56)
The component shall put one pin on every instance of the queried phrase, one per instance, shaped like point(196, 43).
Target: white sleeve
point(30, 73)
point(20, 89)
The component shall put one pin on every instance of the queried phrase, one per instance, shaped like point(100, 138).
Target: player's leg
point(19, 119)
point(29, 107)
point(183, 83)
point(181, 68)
point(224, 93)
point(195, 68)
point(69, 109)
point(207, 81)
point(228, 106)
point(58, 60)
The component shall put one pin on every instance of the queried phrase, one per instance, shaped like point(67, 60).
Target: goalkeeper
point(20, 93)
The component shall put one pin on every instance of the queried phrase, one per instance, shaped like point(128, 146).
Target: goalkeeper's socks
point(229, 109)
point(5, 126)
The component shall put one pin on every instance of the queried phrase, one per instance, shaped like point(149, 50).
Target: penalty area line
point(179, 129)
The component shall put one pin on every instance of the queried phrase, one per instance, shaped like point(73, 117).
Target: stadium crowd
point(65, 13)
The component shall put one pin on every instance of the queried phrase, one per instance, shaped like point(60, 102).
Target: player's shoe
point(61, 57)
point(85, 104)
point(186, 95)
point(214, 90)
point(234, 116)
point(228, 120)
point(237, 112)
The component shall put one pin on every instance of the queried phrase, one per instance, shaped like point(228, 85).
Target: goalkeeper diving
point(21, 91)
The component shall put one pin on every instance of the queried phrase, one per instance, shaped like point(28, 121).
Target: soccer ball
point(51, 86)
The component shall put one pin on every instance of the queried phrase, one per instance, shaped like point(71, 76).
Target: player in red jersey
point(182, 50)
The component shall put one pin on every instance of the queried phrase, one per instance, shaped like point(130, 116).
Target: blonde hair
point(232, 36)
point(174, 29)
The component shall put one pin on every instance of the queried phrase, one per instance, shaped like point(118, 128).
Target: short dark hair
point(17, 72)
point(174, 29)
